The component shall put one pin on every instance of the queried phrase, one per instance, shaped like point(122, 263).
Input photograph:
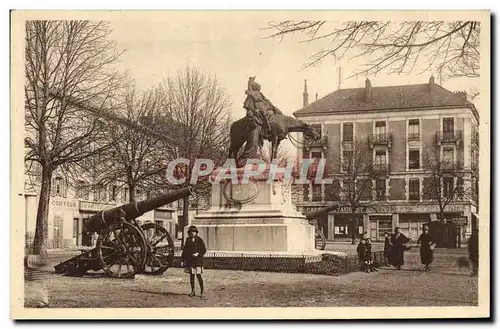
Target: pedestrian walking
point(361, 250)
point(426, 248)
point(369, 256)
point(473, 248)
point(399, 241)
point(387, 249)
point(192, 258)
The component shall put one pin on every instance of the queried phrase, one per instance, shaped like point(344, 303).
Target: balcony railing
point(414, 137)
point(380, 139)
point(322, 142)
point(449, 137)
point(381, 167)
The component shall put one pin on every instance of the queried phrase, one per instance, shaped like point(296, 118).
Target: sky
point(234, 47)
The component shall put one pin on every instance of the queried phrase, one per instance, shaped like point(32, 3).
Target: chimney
point(316, 96)
point(462, 95)
point(431, 81)
point(368, 90)
point(305, 95)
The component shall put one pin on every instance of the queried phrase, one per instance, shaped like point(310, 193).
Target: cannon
point(319, 236)
point(124, 247)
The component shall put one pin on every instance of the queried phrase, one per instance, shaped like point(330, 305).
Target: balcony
point(381, 168)
point(413, 137)
point(320, 143)
point(348, 144)
point(380, 139)
point(446, 137)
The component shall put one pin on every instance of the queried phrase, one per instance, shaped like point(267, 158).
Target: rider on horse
point(260, 110)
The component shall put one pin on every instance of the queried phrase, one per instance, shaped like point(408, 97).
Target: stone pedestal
point(268, 222)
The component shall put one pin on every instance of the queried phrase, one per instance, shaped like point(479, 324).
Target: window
point(414, 159)
point(125, 194)
point(380, 157)
point(316, 192)
point(317, 128)
point(348, 132)
point(448, 157)
point(448, 125)
point(448, 187)
point(58, 189)
point(448, 128)
point(81, 190)
point(306, 192)
point(99, 193)
point(113, 193)
point(316, 155)
point(380, 189)
point(347, 158)
point(380, 127)
point(413, 130)
point(414, 189)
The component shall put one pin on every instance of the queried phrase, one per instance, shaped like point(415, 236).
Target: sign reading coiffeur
point(63, 204)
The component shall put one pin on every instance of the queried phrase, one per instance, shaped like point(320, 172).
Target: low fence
point(328, 264)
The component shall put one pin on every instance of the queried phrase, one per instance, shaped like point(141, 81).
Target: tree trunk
point(42, 215)
point(131, 193)
point(353, 222)
point(185, 214)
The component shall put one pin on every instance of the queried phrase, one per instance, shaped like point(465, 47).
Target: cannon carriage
point(124, 247)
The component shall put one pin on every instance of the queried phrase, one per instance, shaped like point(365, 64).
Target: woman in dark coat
point(399, 242)
point(426, 248)
point(473, 248)
point(387, 249)
point(192, 258)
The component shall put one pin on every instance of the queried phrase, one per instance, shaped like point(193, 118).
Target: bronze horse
point(244, 130)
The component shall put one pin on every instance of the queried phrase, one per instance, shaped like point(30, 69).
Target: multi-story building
point(71, 204)
point(399, 125)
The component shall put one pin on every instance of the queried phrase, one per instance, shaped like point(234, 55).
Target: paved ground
point(445, 285)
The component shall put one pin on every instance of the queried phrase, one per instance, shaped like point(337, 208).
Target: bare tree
point(199, 110)
point(64, 60)
point(353, 187)
point(138, 156)
point(445, 180)
point(449, 48)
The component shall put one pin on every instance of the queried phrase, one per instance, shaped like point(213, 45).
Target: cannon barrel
point(322, 211)
point(104, 218)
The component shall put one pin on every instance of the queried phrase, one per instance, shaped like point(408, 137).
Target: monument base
point(266, 222)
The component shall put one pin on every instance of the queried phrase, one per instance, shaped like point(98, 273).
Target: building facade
point(399, 125)
point(70, 207)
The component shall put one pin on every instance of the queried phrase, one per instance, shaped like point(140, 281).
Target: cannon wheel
point(121, 250)
point(320, 240)
point(160, 249)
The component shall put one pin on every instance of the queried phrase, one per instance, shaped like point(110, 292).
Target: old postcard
point(250, 164)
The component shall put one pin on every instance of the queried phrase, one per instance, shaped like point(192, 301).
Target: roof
point(385, 98)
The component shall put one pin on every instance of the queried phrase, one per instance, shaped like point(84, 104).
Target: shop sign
point(427, 208)
point(58, 203)
point(95, 206)
point(163, 214)
point(341, 209)
point(460, 221)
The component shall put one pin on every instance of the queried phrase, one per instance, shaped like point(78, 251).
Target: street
point(445, 285)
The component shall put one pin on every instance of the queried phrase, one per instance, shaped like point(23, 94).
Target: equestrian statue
point(263, 121)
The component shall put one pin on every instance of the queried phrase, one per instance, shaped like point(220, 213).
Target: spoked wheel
point(121, 250)
point(320, 240)
point(160, 249)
